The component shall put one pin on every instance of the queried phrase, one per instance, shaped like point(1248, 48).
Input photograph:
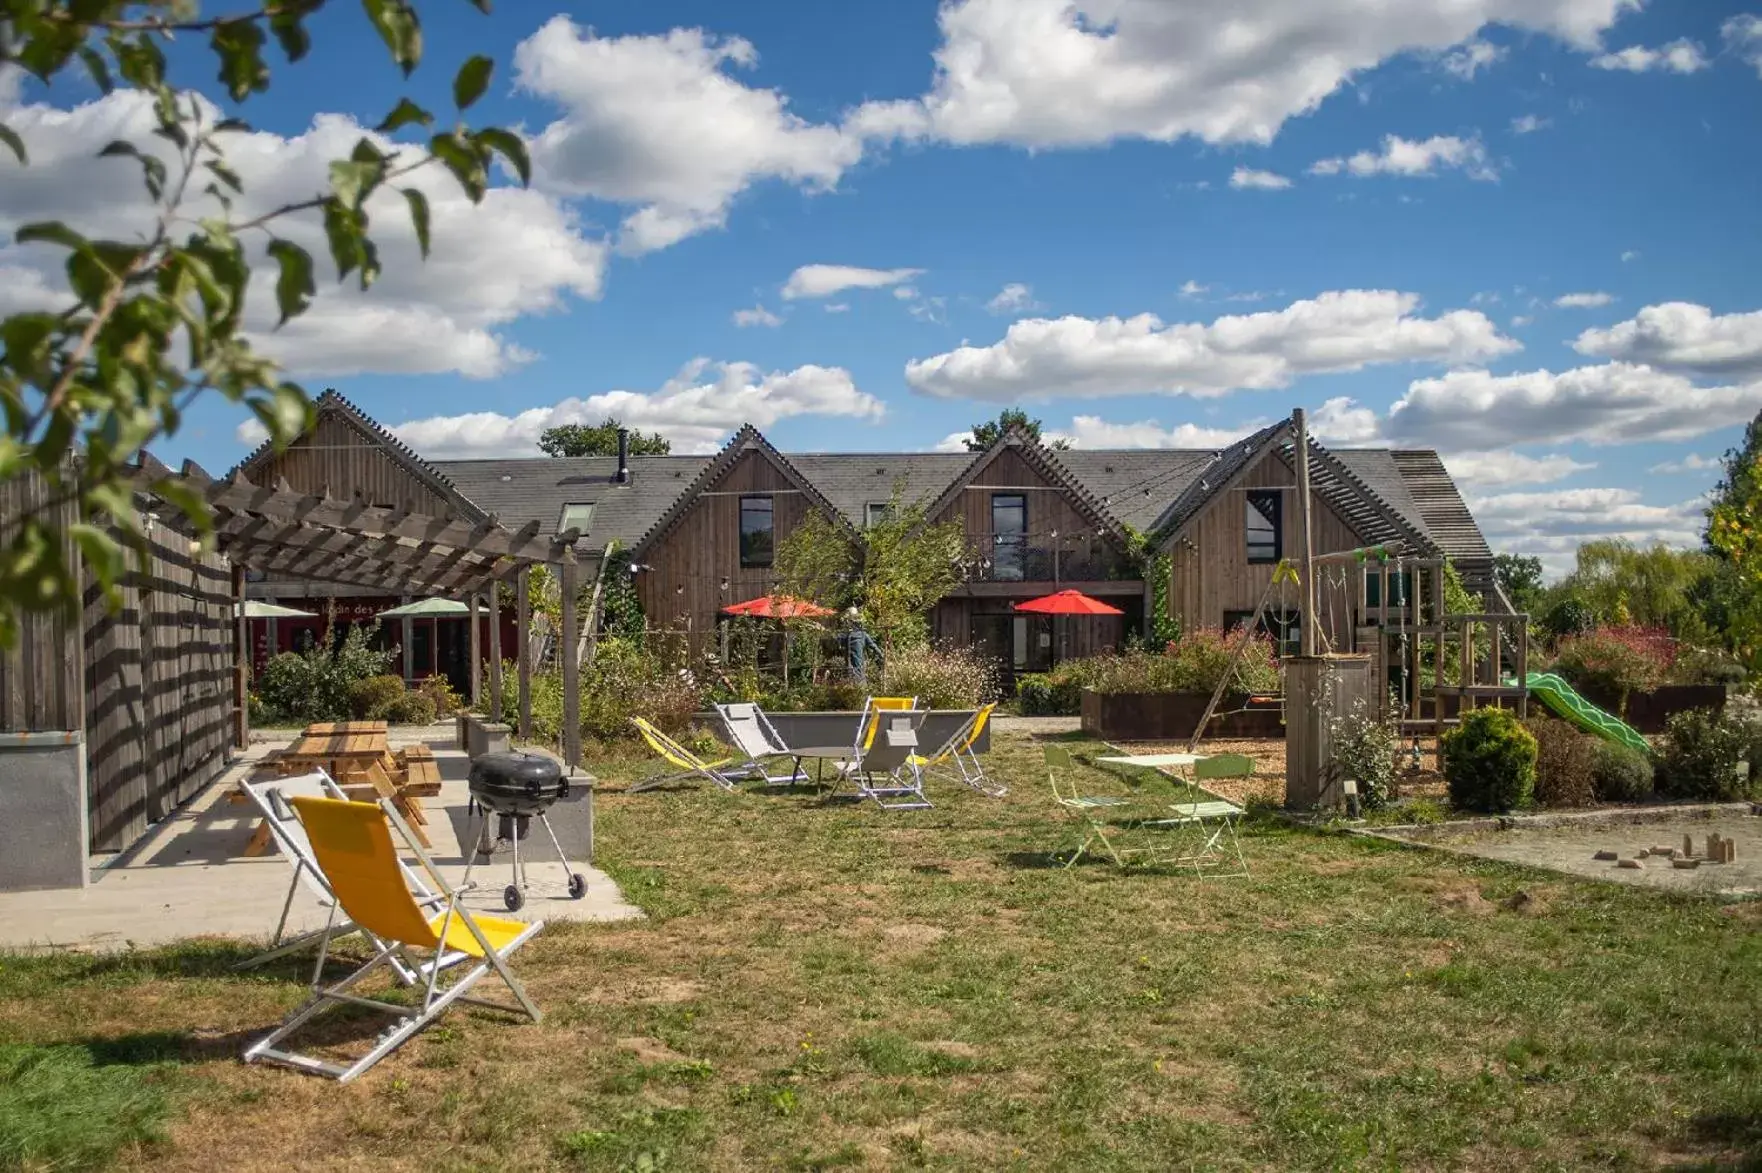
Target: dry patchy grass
point(825, 985)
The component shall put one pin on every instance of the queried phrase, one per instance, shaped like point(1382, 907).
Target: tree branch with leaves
point(152, 324)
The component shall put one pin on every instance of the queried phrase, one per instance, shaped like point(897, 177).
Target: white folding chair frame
point(883, 769)
point(769, 744)
point(435, 999)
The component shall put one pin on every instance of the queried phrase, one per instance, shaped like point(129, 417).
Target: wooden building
point(701, 531)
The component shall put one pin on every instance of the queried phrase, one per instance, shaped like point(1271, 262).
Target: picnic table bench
point(356, 755)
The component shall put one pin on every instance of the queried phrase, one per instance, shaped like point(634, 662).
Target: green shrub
point(943, 678)
point(1570, 616)
point(1707, 666)
point(1616, 661)
point(1364, 748)
point(1489, 762)
point(1566, 764)
point(410, 708)
point(439, 689)
point(1620, 774)
point(317, 685)
point(1700, 755)
point(1048, 694)
point(370, 698)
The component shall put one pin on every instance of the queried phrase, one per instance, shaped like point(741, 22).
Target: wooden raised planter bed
point(1172, 716)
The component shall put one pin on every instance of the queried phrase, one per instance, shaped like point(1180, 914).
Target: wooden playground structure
point(1409, 657)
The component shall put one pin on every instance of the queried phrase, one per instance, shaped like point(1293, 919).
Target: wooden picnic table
point(356, 754)
point(321, 728)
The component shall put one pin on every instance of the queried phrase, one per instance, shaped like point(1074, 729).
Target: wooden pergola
point(390, 551)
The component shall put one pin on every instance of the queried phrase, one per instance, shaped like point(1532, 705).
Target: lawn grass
point(822, 985)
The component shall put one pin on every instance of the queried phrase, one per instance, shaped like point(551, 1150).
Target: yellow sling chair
point(353, 845)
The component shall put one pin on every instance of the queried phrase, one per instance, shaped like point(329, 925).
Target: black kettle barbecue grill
point(518, 787)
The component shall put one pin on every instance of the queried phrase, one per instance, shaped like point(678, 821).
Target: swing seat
point(1265, 698)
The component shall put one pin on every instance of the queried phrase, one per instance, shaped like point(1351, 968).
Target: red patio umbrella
point(779, 607)
point(1068, 603)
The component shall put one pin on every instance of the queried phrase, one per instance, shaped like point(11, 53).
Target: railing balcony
point(1045, 558)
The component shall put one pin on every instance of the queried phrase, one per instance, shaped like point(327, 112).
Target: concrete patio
point(189, 877)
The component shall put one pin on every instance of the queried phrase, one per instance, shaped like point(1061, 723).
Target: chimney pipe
point(623, 456)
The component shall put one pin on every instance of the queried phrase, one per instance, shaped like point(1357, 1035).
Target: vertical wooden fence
point(151, 683)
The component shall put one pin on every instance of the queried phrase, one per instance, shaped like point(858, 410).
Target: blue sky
point(1413, 196)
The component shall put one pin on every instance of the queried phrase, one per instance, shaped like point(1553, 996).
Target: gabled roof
point(1437, 500)
point(333, 404)
point(539, 486)
point(1042, 460)
point(1222, 471)
point(747, 439)
point(854, 480)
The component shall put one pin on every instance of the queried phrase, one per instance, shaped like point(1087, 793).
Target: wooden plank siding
point(1210, 575)
point(339, 456)
point(40, 677)
point(683, 591)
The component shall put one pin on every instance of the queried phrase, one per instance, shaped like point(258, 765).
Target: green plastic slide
point(1560, 696)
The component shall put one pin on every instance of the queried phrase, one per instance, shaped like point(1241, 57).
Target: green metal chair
point(1204, 832)
point(1092, 810)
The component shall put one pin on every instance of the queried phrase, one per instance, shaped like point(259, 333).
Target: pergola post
point(474, 654)
point(495, 649)
point(569, 650)
point(523, 649)
point(408, 641)
point(241, 662)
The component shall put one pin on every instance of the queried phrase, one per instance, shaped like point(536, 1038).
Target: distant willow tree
point(599, 440)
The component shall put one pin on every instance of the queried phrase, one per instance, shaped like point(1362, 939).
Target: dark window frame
point(1284, 628)
point(1256, 551)
point(1009, 554)
point(751, 559)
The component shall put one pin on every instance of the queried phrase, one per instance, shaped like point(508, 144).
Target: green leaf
point(97, 68)
point(285, 412)
point(225, 174)
point(188, 499)
point(418, 217)
point(140, 62)
point(471, 80)
point(398, 28)
point(509, 146)
point(353, 181)
point(50, 232)
point(342, 228)
point(10, 137)
point(226, 125)
point(294, 287)
point(290, 32)
point(403, 114)
point(100, 551)
point(464, 159)
point(239, 45)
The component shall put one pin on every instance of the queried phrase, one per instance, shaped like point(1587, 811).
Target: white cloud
point(826, 280)
point(1013, 298)
point(1089, 431)
point(1485, 297)
point(1529, 123)
point(1470, 58)
point(905, 293)
point(1191, 288)
point(659, 121)
point(1248, 177)
point(518, 253)
point(1742, 35)
point(1045, 73)
point(1683, 337)
point(1399, 156)
point(837, 307)
point(1683, 56)
point(1616, 403)
point(1492, 470)
point(1693, 462)
point(1086, 357)
point(1345, 422)
point(1521, 320)
point(1583, 301)
point(953, 442)
point(1551, 524)
point(696, 409)
point(757, 316)
point(1629, 255)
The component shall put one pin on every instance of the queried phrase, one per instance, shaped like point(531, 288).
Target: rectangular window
point(1009, 536)
point(874, 512)
point(576, 515)
point(756, 533)
point(1279, 626)
point(1263, 526)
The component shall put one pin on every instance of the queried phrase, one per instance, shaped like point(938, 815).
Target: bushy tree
point(599, 440)
point(1520, 577)
point(1734, 537)
point(152, 323)
point(1651, 586)
point(989, 432)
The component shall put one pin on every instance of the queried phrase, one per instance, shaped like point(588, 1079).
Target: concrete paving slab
point(189, 877)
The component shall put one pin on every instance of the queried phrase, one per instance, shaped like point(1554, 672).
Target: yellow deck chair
point(957, 759)
point(685, 763)
point(352, 843)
